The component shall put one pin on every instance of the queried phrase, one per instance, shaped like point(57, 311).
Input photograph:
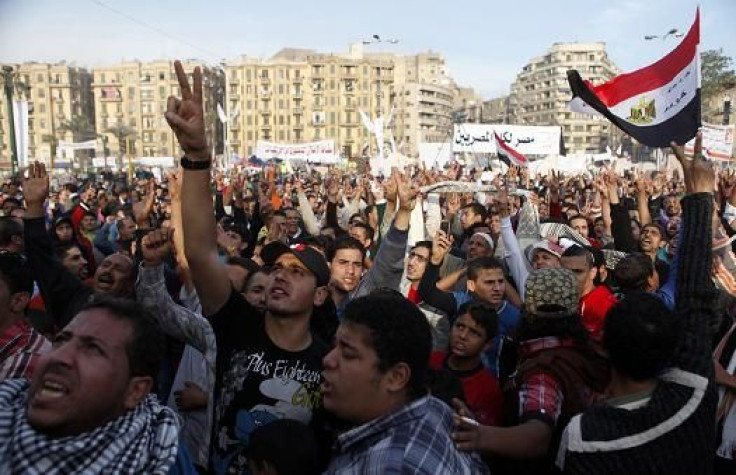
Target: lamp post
point(8, 80)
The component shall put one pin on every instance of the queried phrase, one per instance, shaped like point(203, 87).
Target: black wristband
point(189, 164)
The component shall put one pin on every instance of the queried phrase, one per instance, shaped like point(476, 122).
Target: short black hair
point(580, 251)
point(478, 209)
point(482, 263)
point(482, 314)
point(657, 226)
point(368, 230)
point(271, 441)
point(239, 229)
point(61, 248)
point(9, 227)
point(640, 335)
point(16, 272)
point(15, 201)
point(399, 333)
point(244, 262)
point(424, 244)
point(146, 346)
point(632, 271)
point(345, 242)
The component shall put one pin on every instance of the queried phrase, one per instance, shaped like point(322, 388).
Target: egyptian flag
point(655, 105)
point(508, 154)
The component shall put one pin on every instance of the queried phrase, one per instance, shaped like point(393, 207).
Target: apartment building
point(60, 107)
point(541, 91)
point(130, 101)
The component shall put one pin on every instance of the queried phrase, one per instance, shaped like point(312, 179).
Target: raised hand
point(440, 247)
point(406, 190)
point(156, 246)
point(186, 115)
point(36, 186)
point(699, 173)
point(226, 242)
point(390, 189)
point(142, 209)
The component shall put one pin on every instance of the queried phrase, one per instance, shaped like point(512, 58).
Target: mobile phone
point(445, 226)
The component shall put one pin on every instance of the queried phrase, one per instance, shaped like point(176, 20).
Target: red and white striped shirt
point(20, 348)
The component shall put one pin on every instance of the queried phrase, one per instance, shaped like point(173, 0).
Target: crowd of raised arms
point(308, 319)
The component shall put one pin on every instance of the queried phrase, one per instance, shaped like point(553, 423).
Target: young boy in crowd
point(470, 335)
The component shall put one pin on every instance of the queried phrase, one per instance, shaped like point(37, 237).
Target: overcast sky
point(485, 42)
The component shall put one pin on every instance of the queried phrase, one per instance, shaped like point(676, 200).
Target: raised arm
point(186, 118)
point(696, 295)
point(175, 320)
point(388, 265)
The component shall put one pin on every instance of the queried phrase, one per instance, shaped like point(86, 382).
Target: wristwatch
point(189, 164)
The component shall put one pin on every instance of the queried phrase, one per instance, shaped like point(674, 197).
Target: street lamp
point(674, 33)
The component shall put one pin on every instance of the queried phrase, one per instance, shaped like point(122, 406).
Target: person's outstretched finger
point(186, 91)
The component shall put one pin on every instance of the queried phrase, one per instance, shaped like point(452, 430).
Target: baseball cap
point(545, 245)
point(551, 293)
point(311, 258)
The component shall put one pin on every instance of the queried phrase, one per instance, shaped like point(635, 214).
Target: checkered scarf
point(144, 440)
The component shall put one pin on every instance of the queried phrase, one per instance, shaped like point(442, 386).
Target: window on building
point(247, 74)
point(39, 77)
point(281, 120)
point(249, 120)
point(281, 87)
point(249, 135)
point(41, 92)
point(281, 135)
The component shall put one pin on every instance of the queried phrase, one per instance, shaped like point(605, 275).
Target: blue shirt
point(414, 439)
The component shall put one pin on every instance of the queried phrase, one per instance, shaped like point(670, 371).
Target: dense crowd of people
point(306, 319)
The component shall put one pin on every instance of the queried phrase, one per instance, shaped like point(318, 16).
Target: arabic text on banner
point(526, 139)
point(323, 150)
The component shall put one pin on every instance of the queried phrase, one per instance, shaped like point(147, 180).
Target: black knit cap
point(312, 259)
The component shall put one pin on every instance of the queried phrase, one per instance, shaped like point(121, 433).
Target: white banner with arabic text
point(526, 139)
point(717, 141)
point(323, 151)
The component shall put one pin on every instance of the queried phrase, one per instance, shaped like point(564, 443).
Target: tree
point(121, 133)
point(715, 73)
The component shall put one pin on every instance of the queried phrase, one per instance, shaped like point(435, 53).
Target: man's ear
point(471, 285)
point(138, 388)
point(396, 379)
point(320, 295)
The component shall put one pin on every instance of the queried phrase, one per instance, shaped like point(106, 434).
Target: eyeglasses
point(420, 258)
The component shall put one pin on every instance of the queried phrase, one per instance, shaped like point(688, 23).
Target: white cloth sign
point(526, 139)
point(717, 141)
point(323, 151)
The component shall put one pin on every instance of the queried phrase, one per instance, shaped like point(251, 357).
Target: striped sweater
point(674, 431)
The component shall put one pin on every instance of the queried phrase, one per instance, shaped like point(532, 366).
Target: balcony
point(265, 127)
point(264, 94)
point(297, 126)
point(298, 95)
point(297, 80)
point(265, 112)
point(318, 123)
point(264, 80)
point(297, 110)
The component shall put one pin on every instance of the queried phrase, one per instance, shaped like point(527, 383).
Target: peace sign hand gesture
point(186, 115)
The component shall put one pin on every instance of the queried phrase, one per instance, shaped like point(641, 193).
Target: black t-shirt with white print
point(257, 382)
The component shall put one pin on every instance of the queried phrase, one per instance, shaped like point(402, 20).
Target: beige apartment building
point(302, 96)
point(130, 101)
point(59, 106)
point(541, 91)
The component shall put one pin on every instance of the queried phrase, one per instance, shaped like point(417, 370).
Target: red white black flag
point(508, 154)
point(657, 104)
